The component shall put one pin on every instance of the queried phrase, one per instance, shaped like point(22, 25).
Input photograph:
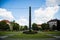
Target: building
point(7, 22)
point(54, 24)
point(39, 25)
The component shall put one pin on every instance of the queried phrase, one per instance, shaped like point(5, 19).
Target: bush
point(30, 32)
point(35, 27)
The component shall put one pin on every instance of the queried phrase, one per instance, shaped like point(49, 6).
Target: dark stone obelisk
point(29, 18)
point(29, 31)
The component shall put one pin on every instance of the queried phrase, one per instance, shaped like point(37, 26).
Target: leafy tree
point(34, 26)
point(25, 27)
point(45, 26)
point(21, 28)
point(15, 25)
point(4, 25)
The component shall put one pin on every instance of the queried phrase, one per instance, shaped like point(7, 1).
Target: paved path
point(3, 36)
point(7, 35)
point(57, 36)
point(31, 39)
point(53, 35)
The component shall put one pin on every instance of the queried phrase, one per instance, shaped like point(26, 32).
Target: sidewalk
point(32, 39)
point(5, 36)
point(53, 35)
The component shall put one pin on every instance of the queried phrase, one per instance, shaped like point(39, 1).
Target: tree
point(4, 25)
point(34, 26)
point(15, 25)
point(21, 28)
point(45, 26)
point(25, 27)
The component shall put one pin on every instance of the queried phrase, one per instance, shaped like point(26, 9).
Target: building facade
point(8, 22)
point(54, 24)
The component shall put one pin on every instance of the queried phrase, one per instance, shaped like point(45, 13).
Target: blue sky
point(20, 7)
point(20, 10)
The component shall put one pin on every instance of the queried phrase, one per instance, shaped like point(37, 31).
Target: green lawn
point(2, 33)
point(31, 36)
point(19, 34)
point(57, 33)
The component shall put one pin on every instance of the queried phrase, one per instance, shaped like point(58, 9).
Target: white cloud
point(58, 2)
point(45, 14)
point(22, 21)
point(6, 14)
point(52, 2)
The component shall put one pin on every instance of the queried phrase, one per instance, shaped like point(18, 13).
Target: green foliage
point(4, 25)
point(15, 25)
point(25, 27)
point(21, 28)
point(30, 32)
point(34, 26)
point(45, 26)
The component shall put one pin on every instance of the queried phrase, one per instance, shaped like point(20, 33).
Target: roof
point(7, 21)
point(53, 20)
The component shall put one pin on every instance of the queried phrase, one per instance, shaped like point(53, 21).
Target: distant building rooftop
point(7, 21)
point(54, 20)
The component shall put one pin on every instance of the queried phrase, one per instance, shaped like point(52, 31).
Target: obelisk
point(30, 18)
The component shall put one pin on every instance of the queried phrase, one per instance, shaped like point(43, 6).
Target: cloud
point(58, 2)
point(22, 21)
point(45, 14)
point(6, 14)
point(52, 2)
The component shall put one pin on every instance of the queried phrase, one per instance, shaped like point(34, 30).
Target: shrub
point(30, 32)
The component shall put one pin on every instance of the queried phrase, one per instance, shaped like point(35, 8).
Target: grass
point(20, 34)
point(56, 33)
point(2, 33)
point(31, 36)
